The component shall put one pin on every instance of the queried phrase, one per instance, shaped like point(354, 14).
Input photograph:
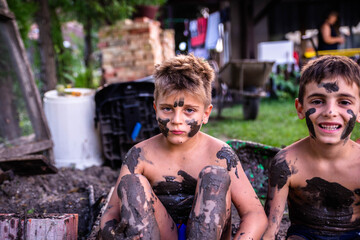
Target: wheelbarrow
point(255, 159)
point(242, 81)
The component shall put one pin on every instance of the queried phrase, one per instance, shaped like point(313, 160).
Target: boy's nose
point(330, 110)
point(177, 118)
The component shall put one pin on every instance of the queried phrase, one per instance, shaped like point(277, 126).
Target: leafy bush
point(286, 83)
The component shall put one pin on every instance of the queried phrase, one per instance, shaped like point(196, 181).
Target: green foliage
point(276, 125)
point(81, 80)
point(31, 211)
point(24, 12)
point(286, 82)
point(101, 12)
point(150, 2)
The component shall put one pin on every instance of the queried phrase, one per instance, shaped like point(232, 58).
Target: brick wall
point(131, 48)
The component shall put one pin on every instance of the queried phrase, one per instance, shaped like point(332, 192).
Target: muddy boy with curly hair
point(182, 177)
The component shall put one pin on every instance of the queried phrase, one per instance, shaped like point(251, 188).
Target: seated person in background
point(182, 176)
point(329, 36)
point(319, 176)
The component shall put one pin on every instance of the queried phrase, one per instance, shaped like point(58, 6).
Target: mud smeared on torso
point(177, 197)
point(326, 206)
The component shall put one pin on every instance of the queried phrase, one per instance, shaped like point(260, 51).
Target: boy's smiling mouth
point(329, 126)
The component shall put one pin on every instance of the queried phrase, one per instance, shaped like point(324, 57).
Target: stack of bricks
point(131, 48)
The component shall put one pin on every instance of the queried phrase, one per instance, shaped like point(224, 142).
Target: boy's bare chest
point(324, 197)
point(326, 176)
point(172, 173)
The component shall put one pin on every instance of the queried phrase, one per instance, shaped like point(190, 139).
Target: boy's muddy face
point(180, 116)
point(331, 109)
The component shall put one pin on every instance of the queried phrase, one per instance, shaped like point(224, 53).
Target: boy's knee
point(133, 183)
point(214, 177)
point(129, 179)
point(215, 172)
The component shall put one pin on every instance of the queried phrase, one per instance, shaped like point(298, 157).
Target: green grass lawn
point(277, 124)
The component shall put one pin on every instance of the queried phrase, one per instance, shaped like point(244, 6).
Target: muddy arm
point(111, 217)
point(279, 175)
point(253, 218)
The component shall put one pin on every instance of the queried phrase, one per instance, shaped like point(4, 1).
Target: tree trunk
point(88, 51)
point(47, 52)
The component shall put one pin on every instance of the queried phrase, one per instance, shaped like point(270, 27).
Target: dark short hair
point(184, 72)
point(329, 67)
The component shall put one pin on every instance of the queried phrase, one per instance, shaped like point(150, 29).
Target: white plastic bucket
point(71, 123)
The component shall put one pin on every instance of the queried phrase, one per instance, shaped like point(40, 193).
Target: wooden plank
point(18, 141)
point(18, 61)
point(28, 165)
point(50, 226)
point(24, 76)
point(6, 15)
point(17, 151)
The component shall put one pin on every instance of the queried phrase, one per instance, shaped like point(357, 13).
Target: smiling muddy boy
point(319, 176)
point(182, 176)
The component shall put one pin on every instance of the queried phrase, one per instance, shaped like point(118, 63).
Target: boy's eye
point(189, 110)
point(166, 109)
point(317, 101)
point(345, 102)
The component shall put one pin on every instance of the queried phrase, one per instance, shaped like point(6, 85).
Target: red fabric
point(296, 56)
point(201, 29)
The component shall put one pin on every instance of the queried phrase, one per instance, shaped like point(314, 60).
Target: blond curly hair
point(184, 72)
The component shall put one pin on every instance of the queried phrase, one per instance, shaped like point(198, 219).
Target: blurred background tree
point(55, 63)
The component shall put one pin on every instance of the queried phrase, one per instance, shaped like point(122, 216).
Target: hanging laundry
point(199, 39)
point(212, 33)
point(193, 28)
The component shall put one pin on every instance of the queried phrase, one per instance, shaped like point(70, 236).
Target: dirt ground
point(68, 191)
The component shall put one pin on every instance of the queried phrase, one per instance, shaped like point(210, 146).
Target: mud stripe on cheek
point(162, 125)
point(194, 127)
point(350, 126)
point(309, 123)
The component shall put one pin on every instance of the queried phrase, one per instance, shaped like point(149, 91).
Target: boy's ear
point(299, 109)
point(358, 116)
point(207, 114)
point(154, 105)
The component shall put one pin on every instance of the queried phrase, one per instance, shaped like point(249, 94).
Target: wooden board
point(19, 147)
point(28, 165)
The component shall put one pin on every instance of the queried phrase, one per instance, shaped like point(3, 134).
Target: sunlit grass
point(277, 124)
